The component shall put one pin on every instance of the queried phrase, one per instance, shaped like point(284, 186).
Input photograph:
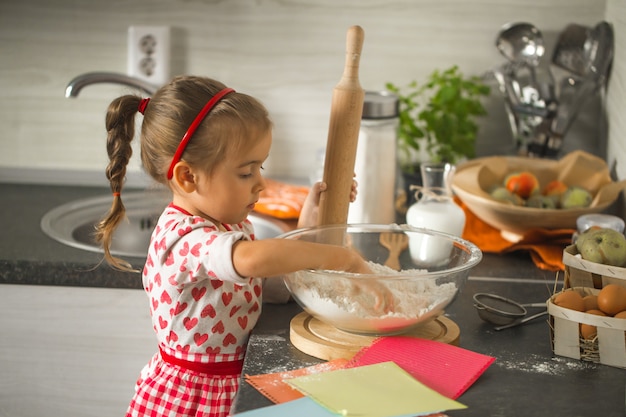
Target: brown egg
point(591, 302)
point(596, 312)
point(589, 331)
point(620, 315)
point(570, 299)
point(612, 299)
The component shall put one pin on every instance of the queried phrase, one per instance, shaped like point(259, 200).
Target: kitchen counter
point(29, 256)
point(526, 379)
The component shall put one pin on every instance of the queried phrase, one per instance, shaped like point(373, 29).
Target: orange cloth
point(281, 200)
point(545, 246)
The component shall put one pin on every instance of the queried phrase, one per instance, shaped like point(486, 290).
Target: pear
point(603, 245)
point(576, 197)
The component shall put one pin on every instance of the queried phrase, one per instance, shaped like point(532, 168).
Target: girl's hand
point(310, 208)
point(380, 299)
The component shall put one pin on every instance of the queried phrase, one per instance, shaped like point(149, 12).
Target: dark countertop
point(526, 379)
point(29, 256)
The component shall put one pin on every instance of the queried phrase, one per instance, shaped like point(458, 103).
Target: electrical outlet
point(149, 53)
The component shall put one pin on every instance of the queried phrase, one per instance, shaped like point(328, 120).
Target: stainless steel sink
point(74, 223)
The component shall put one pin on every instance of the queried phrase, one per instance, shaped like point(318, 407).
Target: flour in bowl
point(348, 303)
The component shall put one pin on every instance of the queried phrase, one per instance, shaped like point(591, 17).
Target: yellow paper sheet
point(380, 390)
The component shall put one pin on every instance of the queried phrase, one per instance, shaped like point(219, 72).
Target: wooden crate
point(582, 273)
point(608, 348)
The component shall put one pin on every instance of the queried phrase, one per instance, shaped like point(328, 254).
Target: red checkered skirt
point(166, 389)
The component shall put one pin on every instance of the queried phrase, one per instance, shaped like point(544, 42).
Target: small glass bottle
point(375, 162)
point(436, 210)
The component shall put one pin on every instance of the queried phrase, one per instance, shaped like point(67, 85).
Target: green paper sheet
point(380, 390)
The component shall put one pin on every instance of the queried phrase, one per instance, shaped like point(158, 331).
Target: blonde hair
point(230, 125)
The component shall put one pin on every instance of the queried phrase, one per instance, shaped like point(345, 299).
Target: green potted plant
point(437, 119)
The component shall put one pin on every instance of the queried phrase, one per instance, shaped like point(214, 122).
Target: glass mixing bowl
point(432, 268)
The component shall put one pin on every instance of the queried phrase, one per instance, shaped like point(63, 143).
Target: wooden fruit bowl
point(474, 180)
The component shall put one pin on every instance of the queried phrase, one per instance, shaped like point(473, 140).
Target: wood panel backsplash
point(288, 53)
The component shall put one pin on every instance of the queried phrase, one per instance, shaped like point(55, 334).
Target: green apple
point(603, 245)
point(576, 197)
point(504, 195)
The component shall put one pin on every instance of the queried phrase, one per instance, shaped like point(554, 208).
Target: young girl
point(207, 143)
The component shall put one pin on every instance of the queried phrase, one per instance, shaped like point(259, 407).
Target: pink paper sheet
point(447, 369)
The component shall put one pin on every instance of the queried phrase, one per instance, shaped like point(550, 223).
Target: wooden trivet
point(323, 341)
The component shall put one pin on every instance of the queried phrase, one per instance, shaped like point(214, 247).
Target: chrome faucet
point(77, 84)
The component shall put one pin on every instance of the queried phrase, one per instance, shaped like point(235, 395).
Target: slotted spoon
point(395, 243)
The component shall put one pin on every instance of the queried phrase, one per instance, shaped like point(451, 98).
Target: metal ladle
point(502, 311)
point(521, 43)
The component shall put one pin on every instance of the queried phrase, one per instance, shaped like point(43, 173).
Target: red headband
point(192, 129)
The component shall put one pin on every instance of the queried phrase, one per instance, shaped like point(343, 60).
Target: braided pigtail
point(120, 125)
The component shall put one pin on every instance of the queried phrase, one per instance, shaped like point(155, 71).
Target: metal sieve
point(498, 310)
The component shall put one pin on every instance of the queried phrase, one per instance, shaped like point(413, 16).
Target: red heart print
point(165, 297)
point(183, 348)
point(234, 310)
point(185, 249)
point(149, 261)
point(183, 266)
point(216, 283)
point(255, 307)
point(162, 322)
point(183, 232)
point(170, 259)
point(190, 323)
point(218, 328)
point(257, 290)
point(227, 297)
point(198, 293)
point(248, 296)
point(213, 350)
point(195, 251)
point(208, 311)
point(237, 287)
point(200, 338)
point(155, 303)
point(172, 337)
point(172, 280)
point(211, 239)
point(159, 245)
point(230, 339)
point(180, 307)
point(157, 279)
point(243, 322)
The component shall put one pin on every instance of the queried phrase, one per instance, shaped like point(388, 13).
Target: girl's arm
point(272, 257)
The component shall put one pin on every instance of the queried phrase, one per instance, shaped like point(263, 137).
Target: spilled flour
point(352, 304)
point(539, 364)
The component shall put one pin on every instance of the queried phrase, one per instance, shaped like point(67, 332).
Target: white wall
point(289, 53)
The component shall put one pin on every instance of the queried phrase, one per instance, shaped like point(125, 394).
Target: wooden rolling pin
point(343, 134)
